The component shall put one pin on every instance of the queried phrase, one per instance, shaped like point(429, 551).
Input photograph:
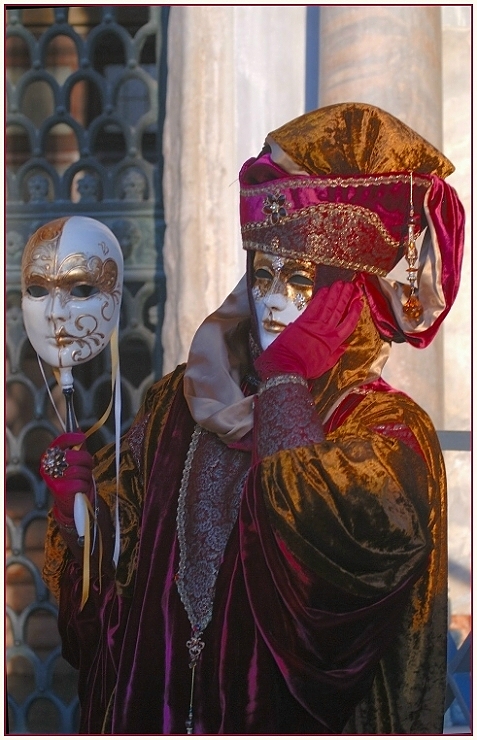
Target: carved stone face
point(72, 272)
point(281, 290)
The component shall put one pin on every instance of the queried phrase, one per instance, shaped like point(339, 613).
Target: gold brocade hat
point(351, 209)
point(351, 186)
point(357, 139)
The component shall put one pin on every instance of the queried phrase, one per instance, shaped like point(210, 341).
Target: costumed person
point(282, 509)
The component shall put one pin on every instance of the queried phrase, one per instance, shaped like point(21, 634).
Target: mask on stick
point(72, 275)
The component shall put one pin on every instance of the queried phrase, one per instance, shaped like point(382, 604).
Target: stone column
point(199, 164)
point(231, 80)
point(457, 110)
point(456, 66)
point(390, 56)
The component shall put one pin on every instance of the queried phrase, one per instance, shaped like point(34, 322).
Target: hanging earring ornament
point(412, 309)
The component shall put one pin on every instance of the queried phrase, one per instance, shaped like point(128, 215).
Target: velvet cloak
point(329, 596)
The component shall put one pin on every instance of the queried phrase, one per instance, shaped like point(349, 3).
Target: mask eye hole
point(37, 291)
point(300, 281)
point(83, 290)
point(263, 274)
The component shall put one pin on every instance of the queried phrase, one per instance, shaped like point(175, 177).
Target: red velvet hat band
point(357, 222)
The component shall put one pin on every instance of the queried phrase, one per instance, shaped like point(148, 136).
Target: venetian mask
point(72, 273)
point(281, 290)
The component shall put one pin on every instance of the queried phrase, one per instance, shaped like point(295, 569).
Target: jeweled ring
point(54, 463)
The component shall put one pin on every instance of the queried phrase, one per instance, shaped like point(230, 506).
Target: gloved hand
point(66, 472)
point(313, 343)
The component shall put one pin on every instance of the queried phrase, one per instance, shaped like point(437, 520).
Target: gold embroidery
point(357, 236)
point(331, 182)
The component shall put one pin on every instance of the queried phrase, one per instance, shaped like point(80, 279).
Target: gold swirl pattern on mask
point(40, 266)
point(40, 250)
point(40, 263)
point(49, 232)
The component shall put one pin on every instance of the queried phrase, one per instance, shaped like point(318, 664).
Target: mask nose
point(57, 308)
point(275, 301)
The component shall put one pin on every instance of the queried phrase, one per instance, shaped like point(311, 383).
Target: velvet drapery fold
point(287, 650)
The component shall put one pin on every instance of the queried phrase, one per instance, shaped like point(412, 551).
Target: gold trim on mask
point(42, 267)
point(289, 277)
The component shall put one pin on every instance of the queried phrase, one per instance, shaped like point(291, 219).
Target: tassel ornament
point(412, 309)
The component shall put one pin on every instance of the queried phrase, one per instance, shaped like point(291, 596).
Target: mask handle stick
point(71, 425)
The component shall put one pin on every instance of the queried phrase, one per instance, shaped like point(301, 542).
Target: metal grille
point(85, 100)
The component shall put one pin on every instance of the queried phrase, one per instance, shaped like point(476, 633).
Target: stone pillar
point(415, 62)
point(457, 110)
point(390, 56)
point(229, 84)
point(386, 55)
point(198, 167)
point(456, 66)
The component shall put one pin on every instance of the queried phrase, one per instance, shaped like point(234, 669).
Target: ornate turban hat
point(351, 186)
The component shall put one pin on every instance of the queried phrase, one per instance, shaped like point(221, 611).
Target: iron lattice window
point(85, 107)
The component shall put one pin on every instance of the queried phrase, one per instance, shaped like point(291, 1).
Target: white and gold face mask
point(281, 289)
point(72, 273)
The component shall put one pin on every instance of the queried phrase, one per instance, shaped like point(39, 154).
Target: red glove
point(67, 474)
point(313, 343)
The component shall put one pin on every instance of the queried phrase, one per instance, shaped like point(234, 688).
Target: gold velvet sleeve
point(408, 692)
point(358, 508)
point(138, 446)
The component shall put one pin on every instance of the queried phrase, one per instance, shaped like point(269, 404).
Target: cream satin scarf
point(211, 380)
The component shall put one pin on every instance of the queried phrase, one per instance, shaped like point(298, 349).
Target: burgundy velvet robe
point(286, 651)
